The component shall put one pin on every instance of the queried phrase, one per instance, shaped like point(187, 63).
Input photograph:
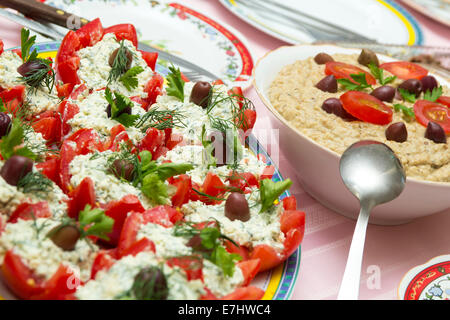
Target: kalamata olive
point(15, 168)
point(29, 67)
point(412, 86)
point(200, 94)
point(384, 93)
point(122, 169)
point(435, 133)
point(5, 124)
point(236, 207)
point(150, 284)
point(368, 56)
point(65, 236)
point(128, 54)
point(127, 110)
point(328, 84)
point(334, 106)
point(322, 58)
point(428, 83)
point(397, 132)
point(196, 243)
point(398, 95)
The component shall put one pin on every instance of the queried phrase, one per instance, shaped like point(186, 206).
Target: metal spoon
point(373, 173)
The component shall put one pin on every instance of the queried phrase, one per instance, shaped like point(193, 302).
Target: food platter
point(383, 19)
point(178, 29)
point(277, 283)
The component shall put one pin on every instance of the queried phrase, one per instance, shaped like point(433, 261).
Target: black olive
point(428, 83)
point(334, 106)
point(328, 84)
point(65, 237)
point(435, 133)
point(28, 68)
point(150, 284)
point(412, 86)
point(128, 54)
point(200, 94)
point(368, 56)
point(196, 243)
point(236, 207)
point(15, 168)
point(397, 132)
point(122, 169)
point(384, 93)
point(5, 124)
point(322, 58)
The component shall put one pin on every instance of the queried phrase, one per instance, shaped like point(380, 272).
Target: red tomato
point(19, 278)
point(153, 142)
point(237, 94)
point(118, 210)
point(183, 184)
point(444, 100)
point(124, 31)
point(50, 169)
point(82, 195)
point(268, 256)
point(90, 33)
point(245, 293)
point(217, 82)
point(60, 286)
point(69, 45)
point(165, 216)
point(49, 127)
point(427, 111)
point(29, 211)
point(366, 107)
point(150, 58)
point(68, 111)
point(64, 89)
point(246, 120)
point(153, 88)
point(343, 71)
point(268, 172)
point(79, 90)
point(139, 246)
point(292, 219)
point(67, 154)
point(240, 250)
point(213, 187)
point(129, 233)
point(290, 203)
point(86, 141)
point(405, 70)
point(67, 61)
point(293, 239)
point(250, 269)
point(192, 265)
point(103, 261)
point(12, 98)
point(1, 46)
point(242, 180)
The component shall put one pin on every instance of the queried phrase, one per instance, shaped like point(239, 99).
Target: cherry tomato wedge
point(427, 111)
point(366, 107)
point(444, 100)
point(405, 70)
point(343, 71)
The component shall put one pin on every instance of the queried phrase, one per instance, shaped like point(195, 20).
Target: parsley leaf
point(433, 95)
point(129, 79)
point(119, 104)
point(167, 170)
point(360, 79)
point(407, 96)
point(378, 74)
point(95, 222)
point(2, 106)
point(270, 191)
point(175, 84)
point(225, 260)
point(26, 44)
point(10, 142)
point(155, 189)
point(408, 113)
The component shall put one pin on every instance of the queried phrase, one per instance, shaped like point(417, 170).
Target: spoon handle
point(351, 280)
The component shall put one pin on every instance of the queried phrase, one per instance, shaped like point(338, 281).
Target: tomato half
point(249, 270)
point(50, 169)
point(343, 71)
point(445, 100)
point(427, 111)
point(183, 184)
point(154, 142)
point(103, 261)
point(268, 256)
point(192, 265)
point(90, 33)
point(153, 88)
point(50, 128)
point(366, 107)
point(405, 70)
point(124, 31)
point(67, 61)
point(29, 211)
point(165, 216)
point(82, 195)
point(68, 111)
point(150, 58)
point(60, 286)
point(67, 154)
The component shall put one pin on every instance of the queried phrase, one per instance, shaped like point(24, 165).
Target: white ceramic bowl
point(318, 168)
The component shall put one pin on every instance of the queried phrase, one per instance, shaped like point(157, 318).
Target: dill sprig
point(161, 119)
point(35, 182)
point(119, 66)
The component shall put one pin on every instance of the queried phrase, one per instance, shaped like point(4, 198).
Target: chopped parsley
point(408, 113)
point(359, 82)
point(175, 84)
point(270, 191)
point(378, 74)
point(433, 95)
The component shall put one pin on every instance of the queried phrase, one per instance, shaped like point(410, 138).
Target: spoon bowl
point(374, 175)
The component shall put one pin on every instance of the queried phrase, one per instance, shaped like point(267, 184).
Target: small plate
point(177, 29)
point(429, 281)
point(383, 20)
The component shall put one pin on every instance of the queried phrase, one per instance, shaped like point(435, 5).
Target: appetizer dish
point(116, 183)
point(337, 100)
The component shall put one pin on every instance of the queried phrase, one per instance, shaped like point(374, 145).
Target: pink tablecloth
point(390, 251)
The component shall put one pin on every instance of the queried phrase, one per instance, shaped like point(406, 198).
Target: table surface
point(390, 251)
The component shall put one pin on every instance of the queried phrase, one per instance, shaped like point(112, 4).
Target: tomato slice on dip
point(343, 71)
point(427, 111)
point(405, 70)
point(366, 107)
point(444, 100)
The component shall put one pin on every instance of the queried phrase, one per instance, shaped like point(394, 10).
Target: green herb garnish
point(10, 144)
point(407, 96)
point(360, 79)
point(160, 119)
point(119, 65)
point(270, 191)
point(175, 83)
point(94, 222)
point(129, 79)
point(26, 42)
point(408, 113)
point(378, 74)
point(118, 106)
point(433, 95)
point(35, 182)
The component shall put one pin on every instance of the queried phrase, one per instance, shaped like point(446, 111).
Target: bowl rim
point(292, 128)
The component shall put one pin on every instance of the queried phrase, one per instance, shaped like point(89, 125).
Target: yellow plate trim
point(274, 282)
point(408, 25)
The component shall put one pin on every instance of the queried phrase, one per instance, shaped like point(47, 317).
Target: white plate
point(318, 168)
point(383, 20)
point(438, 10)
point(180, 30)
